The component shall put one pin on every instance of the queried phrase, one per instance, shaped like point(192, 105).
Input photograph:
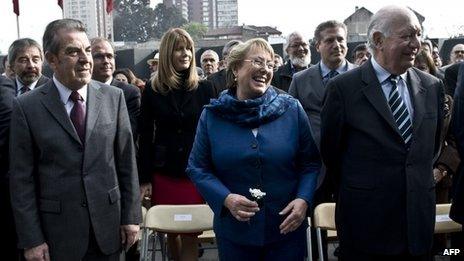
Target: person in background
point(218, 79)
point(361, 54)
point(6, 67)
point(457, 54)
point(270, 150)
point(171, 106)
point(73, 174)
point(436, 57)
point(278, 61)
point(153, 65)
point(209, 62)
point(384, 117)
point(121, 75)
point(424, 62)
point(104, 66)
point(25, 57)
point(299, 58)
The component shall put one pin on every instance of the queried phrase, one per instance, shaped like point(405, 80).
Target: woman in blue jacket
point(255, 162)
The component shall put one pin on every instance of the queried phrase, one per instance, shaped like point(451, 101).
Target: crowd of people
point(261, 139)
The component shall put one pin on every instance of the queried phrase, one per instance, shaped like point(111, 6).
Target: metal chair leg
point(308, 243)
point(143, 245)
point(319, 244)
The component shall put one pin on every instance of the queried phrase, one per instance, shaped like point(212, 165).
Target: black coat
point(132, 97)
point(457, 209)
point(167, 129)
point(283, 77)
point(218, 81)
point(451, 78)
point(42, 80)
point(386, 201)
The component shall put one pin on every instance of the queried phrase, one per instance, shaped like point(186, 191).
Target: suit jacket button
point(179, 131)
point(84, 204)
point(254, 145)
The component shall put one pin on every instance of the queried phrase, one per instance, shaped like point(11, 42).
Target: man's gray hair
point(97, 40)
point(19, 45)
point(293, 35)
point(50, 41)
point(382, 22)
point(209, 51)
point(229, 45)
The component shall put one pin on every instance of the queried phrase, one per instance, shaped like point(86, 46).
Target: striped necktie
point(329, 76)
point(399, 110)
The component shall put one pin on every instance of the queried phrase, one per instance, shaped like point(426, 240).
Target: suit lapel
point(315, 80)
point(94, 103)
point(52, 102)
point(374, 94)
point(417, 94)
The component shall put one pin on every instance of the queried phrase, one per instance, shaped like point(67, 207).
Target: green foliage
point(135, 20)
point(196, 30)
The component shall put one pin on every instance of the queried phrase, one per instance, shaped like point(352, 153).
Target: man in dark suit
point(451, 78)
point(73, 177)
point(8, 248)
point(380, 132)
point(308, 86)
point(218, 79)
point(299, 58)
point(26, 59)
point(103, 69)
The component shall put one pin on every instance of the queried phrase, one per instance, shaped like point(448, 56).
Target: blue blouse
point(282, 160)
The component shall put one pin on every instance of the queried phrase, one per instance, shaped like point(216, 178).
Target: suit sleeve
point(200, 168)
point(127, 168)
point(23, 181)
point(7, 94)
point(308, 161)
point(332, 129)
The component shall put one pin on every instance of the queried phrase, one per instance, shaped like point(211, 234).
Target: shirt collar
point(109, 81)
point(21, 85)
point(383, 74)
point(65, 92)
point(326, 70)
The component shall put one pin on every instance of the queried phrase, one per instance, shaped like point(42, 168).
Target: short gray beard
point(301, 62)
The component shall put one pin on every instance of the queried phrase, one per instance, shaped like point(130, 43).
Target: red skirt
point(174, 191)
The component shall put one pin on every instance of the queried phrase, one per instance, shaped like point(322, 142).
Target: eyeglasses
point(296, 45)
point(459, 52)
point(261, 64)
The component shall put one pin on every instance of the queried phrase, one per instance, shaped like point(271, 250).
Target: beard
point(301, 62)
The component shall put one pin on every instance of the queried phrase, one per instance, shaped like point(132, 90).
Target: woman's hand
point(240, 207)
point(297, 209)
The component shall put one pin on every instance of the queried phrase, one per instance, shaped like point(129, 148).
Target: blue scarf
point(250, 113)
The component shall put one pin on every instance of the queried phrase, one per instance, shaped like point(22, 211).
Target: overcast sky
point(442, 17)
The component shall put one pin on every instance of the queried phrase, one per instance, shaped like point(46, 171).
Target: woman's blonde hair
point(239, 53)
point(167, 78)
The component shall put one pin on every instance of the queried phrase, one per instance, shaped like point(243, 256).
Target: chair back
point(179, 218)
point(443, 223)
point(324, 216)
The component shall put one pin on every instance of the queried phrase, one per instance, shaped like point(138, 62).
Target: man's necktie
point(400, 111)
point(24, 89)
point(78, 115)
point(329, 76)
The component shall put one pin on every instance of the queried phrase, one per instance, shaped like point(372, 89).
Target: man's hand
point(297, 209)
point(145, 191)
point(129, 235)
point(38, 253)
point(240, 207)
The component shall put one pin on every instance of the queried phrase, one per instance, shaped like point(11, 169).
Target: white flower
point(257, 193)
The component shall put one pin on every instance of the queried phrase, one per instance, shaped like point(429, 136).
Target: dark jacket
point(132, 97)
point(386, 201)
point(283, 77)
point(42, 80)
point(167, 129)
point(218, 81)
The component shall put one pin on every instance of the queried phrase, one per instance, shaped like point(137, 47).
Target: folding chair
point(443, 223)
point(324, 218)
point(175, 219)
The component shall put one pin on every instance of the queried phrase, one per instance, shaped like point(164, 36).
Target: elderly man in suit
point(26, 59)
point(103, 69)
point(73, 177)
point(8, 248)
point(309, 86)
point(299, 58)
point(380, 132)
